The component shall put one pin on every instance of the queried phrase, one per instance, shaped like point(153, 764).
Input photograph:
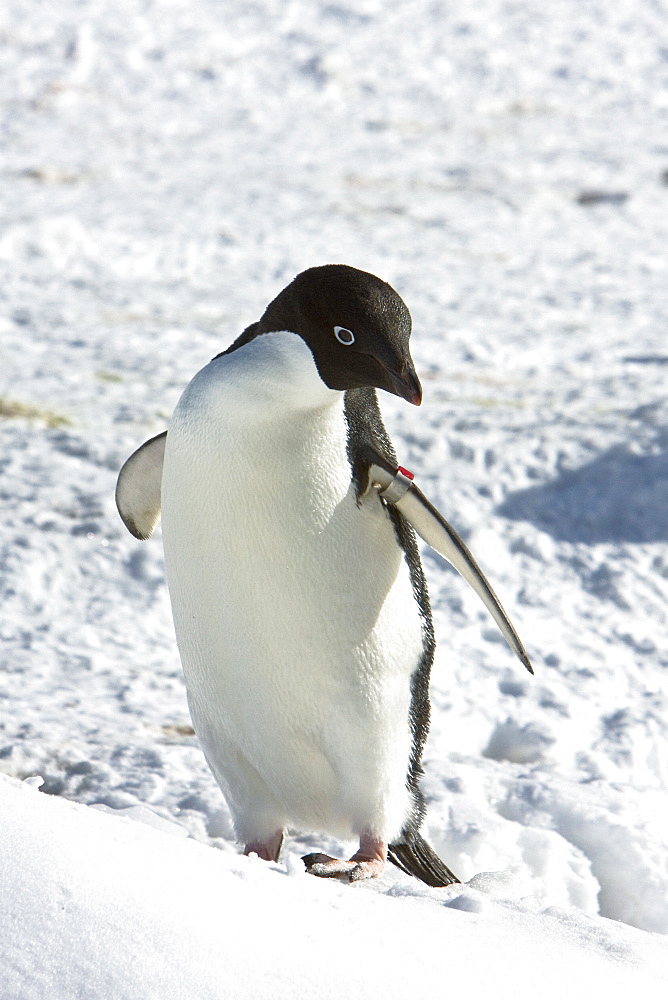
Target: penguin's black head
point(356, 326)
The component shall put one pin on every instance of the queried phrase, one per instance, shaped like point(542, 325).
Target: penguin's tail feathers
point(417, 858)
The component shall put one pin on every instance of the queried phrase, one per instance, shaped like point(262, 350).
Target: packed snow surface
point(168, 166)
point(108, 908)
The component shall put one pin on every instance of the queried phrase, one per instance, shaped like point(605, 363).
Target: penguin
point(300, 604)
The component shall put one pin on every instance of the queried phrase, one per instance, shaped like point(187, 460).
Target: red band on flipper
point(398, 487)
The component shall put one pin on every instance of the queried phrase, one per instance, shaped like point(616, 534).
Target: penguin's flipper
point(138, 488)
point(399, 489)
point(421, 861)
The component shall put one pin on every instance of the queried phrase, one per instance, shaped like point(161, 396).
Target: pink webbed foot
point(267, 850)
point(368, 862)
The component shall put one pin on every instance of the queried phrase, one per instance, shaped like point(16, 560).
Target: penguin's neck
point(271, 377)
point(265, 411)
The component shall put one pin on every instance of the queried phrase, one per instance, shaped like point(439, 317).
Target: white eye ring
point(344, 335)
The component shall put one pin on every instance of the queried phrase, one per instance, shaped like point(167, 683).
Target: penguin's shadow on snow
point(618, 497)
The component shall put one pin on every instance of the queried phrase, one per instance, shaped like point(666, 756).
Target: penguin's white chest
point(293, 605)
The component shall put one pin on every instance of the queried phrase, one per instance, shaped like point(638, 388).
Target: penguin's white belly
point(293, 607)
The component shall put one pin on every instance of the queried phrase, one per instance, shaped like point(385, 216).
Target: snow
point(98, 907)
point(167, 168)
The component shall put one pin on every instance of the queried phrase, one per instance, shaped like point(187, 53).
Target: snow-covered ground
point(167, 167)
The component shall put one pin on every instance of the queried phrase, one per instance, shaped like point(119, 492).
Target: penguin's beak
point(406, 384)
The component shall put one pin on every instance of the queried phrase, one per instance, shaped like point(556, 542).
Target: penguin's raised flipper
point(398, 489)
point(138, 487)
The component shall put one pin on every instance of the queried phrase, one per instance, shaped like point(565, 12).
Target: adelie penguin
point(299, 600)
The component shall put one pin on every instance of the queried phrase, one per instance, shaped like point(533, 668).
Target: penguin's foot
point(368, 862)
point(349, 871)
point(267, 850)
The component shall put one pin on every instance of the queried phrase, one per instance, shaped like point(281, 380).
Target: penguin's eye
point(344, 336)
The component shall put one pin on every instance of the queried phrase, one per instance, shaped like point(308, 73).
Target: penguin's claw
point(349, 871)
